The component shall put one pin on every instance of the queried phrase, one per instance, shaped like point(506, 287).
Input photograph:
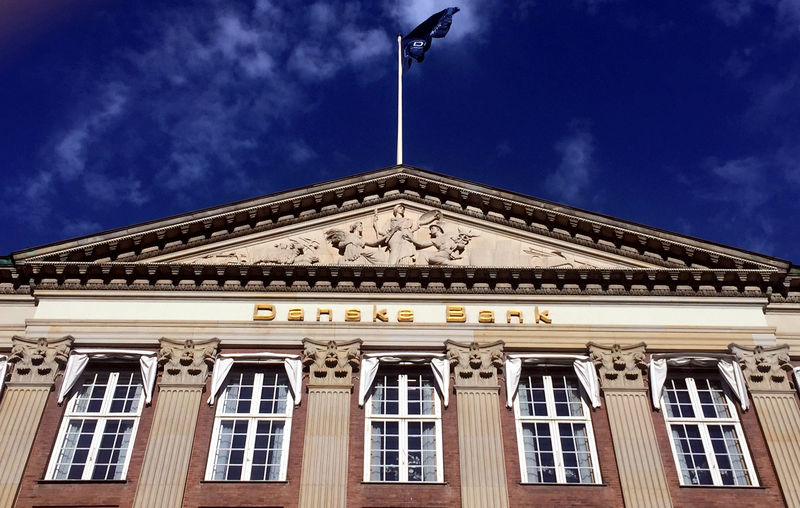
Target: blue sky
point(679, 115)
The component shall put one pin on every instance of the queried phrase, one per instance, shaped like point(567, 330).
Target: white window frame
point(553, 421)
point(403, 419)
point(702, 423)
point(102, 417)
point(252, 418)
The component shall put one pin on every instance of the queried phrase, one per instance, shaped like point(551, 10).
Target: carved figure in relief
point(301, 251)
point(448, 248)
point(396, 236)
point(554, 259)
point(227, 258)
point(352, 245)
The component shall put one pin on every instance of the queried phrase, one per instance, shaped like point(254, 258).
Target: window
point(99, 427)
point(554, 430)
point(705, 434)
point(403, 429)
point(251, 430)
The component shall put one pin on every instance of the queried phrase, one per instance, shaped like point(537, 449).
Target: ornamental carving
point(186, 362)
point(765, 367)
point(401, 236)
point(475, 365)
point(620, 366)
point(545, 258)
point(37, 361)
point(331, 363)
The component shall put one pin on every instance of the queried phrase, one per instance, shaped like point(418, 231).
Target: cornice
point(144, 241)
point(408, 279)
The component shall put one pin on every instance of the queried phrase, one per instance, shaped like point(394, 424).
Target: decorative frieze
point(37, 361)
point(765, 367)
point(186, 362)
point(475, 364)
point(620, 366)
point(331, 363)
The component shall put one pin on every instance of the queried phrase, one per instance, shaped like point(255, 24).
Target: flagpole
point(399, 99)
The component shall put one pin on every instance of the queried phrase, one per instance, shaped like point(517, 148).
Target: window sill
point(240, 482)
point(61, 482)
point(406, 484)
point(754, 487)
point(553, 484)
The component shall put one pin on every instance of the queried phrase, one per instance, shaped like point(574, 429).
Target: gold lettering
point(352, 315)
point(486, 316)
point(322, 310)
point(513, 313)
point(456, 314)
point(379, 314)
point(296, 314)
point(405, 315)
point(544, 315)
point(265, 307)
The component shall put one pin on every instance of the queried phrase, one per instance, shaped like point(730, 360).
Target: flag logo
point(417, 43)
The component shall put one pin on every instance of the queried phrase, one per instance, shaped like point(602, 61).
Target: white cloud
point(731, 12)
point(577, 167)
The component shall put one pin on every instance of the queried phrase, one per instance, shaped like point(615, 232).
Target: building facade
point(397, 338)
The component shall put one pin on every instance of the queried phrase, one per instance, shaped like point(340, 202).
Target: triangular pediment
point(480, 226)
point(400, 232)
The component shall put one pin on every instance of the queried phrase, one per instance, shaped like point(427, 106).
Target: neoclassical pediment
point(447, 222)
point(401, 233)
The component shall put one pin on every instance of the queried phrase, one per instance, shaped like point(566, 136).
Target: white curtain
point(79, 358)
point(3, 366)
point(440, 366)
point(224, 363)
point(796, 378)
point(726, 364)
point(582, 364)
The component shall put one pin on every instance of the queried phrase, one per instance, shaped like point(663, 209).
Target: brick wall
point(35, 492)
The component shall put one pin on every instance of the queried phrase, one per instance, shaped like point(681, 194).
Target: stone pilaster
point(166, 458)
point(767, 372)
point(480, 439)
point(323, 478)
point(33, 367)
point(641, 472)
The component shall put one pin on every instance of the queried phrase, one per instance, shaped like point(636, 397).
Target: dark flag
point(418, 41)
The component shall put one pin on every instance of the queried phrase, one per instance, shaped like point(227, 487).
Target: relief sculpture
point(352, 246)
point(396, 236)
point(553, 259)
point(397, 239)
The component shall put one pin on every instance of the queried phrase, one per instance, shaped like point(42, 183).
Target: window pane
point(386, 396)
point(239, 393)
point(274, 393)
point(127, 393)
point(421, 451)
point(267, 450)
point(567, 396)
point(728, 454)
point(712, 398)
point(531, 395)
point(539, 459)
point(420, 395)
point(691, 455)
point(575, 452)
point(113, 450)
point(89, 397)
point(676, 397)
point(230, 450)
point(385, 451)
point(75, 449)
